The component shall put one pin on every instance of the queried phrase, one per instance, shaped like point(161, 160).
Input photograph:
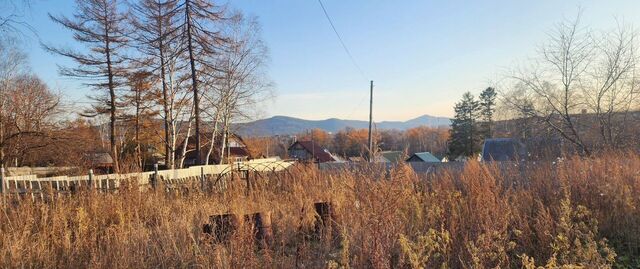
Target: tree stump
point(326, 220)
point(221, 227)
point(261, 227)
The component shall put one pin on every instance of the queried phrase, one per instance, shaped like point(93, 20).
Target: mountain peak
point(285, 125)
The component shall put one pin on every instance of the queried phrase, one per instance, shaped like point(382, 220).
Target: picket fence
point(31, 184)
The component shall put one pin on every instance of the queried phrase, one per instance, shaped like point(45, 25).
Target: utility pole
point(370, 121)
point(313, 146)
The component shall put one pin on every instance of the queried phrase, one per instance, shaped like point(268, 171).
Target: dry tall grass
point(581, 212)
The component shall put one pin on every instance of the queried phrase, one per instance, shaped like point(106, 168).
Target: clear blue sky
point(422, 55)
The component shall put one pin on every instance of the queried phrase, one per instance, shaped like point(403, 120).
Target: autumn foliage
point(351, 142)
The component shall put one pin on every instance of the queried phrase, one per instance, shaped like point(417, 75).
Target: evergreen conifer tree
point(465, 135)
point(487, 107)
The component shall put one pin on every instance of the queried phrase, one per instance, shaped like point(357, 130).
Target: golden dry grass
point(581, 212)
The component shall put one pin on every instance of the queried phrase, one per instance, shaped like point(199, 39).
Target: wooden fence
point(36, 187)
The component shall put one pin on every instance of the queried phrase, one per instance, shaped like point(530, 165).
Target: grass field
point(576, 213)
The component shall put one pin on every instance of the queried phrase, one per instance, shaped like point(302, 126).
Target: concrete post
point(155, 176)
point(3, 185)
point(90, 178)
point(202, 178)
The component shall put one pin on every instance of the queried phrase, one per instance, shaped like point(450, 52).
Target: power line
point(341, 41)
point(357, 107)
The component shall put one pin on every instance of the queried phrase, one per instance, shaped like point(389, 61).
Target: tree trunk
point(184, 146)
point(168, 160)
point(213, 138)
point(137, 130)
point(194, 80)
point(112, 105)
point(1, 139)
point(186, 140)
point(172, 119)
point(225, 137)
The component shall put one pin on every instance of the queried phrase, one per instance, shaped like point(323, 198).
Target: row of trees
point(473, 122)
point(162, 71)
point(352, 142)
point(582, 89)
point(194, 64)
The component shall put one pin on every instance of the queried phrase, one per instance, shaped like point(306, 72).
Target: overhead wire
point(348, 52)
point(344, 46)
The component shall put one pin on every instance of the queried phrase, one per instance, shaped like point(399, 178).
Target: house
point(356, 159)
point(425, 157)
point(390, 156)
point(310, 151)
point(101, 162)
point(503, 149)
point(545, 148)
point(235, 150)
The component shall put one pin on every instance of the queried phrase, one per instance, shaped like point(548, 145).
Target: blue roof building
point(503, 149)
point(425, 157)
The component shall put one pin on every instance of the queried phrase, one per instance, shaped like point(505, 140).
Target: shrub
point(577, 213)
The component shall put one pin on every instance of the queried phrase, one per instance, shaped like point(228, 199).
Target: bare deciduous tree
point(11, 67)
point(157, 38)
point(12, 19)
point(579, 71)
point(28, 108)
point(240, 81)
point(611, 87)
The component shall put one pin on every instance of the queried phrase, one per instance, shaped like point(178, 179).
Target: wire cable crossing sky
point(344, 46)
point(423, 55)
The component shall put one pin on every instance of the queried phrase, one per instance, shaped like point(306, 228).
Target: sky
point(422, 55)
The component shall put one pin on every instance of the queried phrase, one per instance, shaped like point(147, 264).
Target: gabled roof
point(503, 149)
point(100, 158)
point(426, 157)
point(230, 151)
point(319, 153)
point(380, 159)
point(392, 156)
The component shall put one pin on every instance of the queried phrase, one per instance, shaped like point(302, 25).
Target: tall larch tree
point(157, 38)
point(200, 33)
point(97, 25)
point(139, 99)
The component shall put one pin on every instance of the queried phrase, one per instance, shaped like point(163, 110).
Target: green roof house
point(425, 157)
point(389, 157)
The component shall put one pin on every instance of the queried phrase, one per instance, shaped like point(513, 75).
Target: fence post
point(202, 178)
point(90, 178)
point(2, 183)
point(155, 176)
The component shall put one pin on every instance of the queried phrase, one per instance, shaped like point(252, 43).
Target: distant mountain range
point(282, 125)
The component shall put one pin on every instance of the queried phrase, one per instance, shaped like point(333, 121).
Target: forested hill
point(282, 125)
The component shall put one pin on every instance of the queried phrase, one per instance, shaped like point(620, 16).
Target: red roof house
point(310, 151)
